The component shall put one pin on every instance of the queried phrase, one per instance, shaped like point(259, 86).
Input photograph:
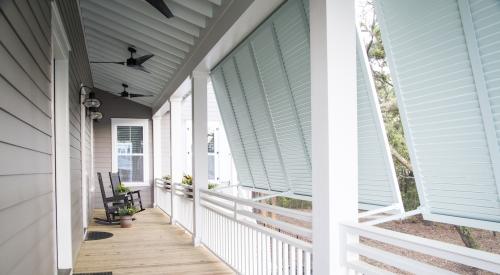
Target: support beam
point(176, 154)
point(200, 151)
point(157, 152)
point(334, 130)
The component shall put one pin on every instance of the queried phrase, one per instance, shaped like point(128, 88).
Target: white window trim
point(61, 142)
point(145, 134)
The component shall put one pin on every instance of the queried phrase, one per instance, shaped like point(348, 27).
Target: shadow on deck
point(151, 246)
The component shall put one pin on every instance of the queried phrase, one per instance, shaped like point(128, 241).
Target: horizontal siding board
point(16, 160)
point(18, 105)
point(18, 37)
point(17, 77)
point(15, 250)
point(23, 135)
point(20, 188)
point(32, 211)
point(29, 17)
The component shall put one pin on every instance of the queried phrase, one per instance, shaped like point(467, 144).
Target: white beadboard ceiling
point(112, 26)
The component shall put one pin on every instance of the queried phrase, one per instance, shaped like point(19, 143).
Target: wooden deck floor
point(151, 246)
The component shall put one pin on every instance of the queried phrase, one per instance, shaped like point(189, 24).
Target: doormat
point(98, 235)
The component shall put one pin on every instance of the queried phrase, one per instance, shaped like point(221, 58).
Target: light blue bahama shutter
point(378, 186)
point(444, 59)
point(263, 91)
point(231, 128)
point(266, 82)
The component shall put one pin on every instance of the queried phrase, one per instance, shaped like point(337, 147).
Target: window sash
point(133, 152)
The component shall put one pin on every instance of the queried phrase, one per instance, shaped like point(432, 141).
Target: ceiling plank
point(175, 22)
point(114, 29)
point(138, 23)
point(169, 61)
point(200, 6)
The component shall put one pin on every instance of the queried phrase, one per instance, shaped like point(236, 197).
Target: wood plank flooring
point(151, 246)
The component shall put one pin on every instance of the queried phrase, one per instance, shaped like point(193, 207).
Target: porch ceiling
point(112, 26)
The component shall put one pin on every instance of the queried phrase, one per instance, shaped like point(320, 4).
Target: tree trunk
point(401, 159)
point(466, 236)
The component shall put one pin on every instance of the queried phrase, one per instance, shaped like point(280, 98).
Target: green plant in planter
point(212, 185)
point(187, 180)
point(122, 189)
point(126, 214)
point(127, 211)
point(167, 178)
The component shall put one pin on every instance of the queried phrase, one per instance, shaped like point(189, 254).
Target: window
point(130, 150)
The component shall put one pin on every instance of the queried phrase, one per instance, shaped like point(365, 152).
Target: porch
point(287, 95)
point(151, 246)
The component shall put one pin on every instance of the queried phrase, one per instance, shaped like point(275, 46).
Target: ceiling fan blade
point(139, 95)
point(161, 7)
point(143, 58)
point(107, 62)
point(140, 68)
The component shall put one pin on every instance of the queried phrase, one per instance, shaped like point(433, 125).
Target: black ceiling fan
point(132, 62)
point(130, 95)
point(161, 7)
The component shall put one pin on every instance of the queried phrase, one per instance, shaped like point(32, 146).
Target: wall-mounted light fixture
point(88, 97)
point(94, 113)
point(88, 100)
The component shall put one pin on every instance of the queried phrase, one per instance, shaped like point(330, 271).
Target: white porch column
point(200, 149)
point(176, 154)
point(334, 129)
point(157, 153)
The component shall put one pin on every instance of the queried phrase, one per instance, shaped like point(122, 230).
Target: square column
point(200, 146)
point(176, 153)
point(157, 153)
point(334, 130)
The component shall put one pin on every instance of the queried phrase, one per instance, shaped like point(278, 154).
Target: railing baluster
point(285, 259)
point(293, 266)
point(300, 256)
point(273, 257)
point(280, 257)
point(308, 263)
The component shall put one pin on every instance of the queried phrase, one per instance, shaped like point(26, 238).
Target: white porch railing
point(183, 206)
point(239, 232)
point(249, 242)
point(181, 202)
point(163, 196)
point(450, 252)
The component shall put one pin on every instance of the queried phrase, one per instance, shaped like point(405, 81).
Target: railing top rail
point(455, 253)
point(294, 214)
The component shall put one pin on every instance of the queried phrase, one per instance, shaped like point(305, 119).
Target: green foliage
point(187, 180)
point(167, 178)
point(128, 210)
point(212, 185)
point(122, 188)
point(290, 203)
point(467, 237)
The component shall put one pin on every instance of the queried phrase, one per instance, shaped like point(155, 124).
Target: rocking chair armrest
point(116, 198)
point(138, 192)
